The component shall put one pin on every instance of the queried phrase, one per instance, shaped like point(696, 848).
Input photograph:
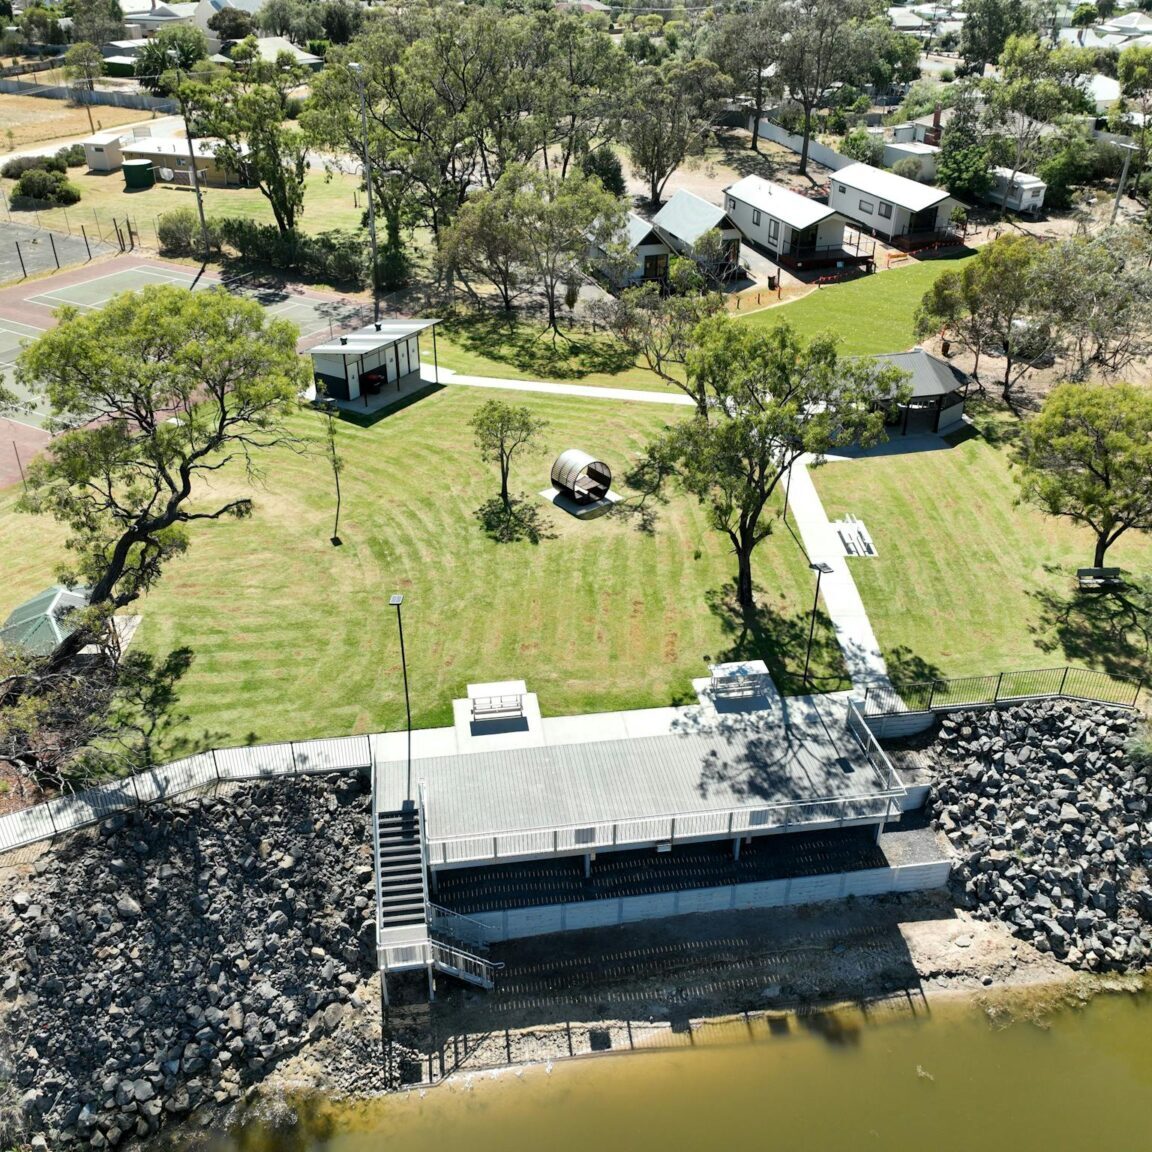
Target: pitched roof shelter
point(361, 364)
point(938, 389)
point(41, 623)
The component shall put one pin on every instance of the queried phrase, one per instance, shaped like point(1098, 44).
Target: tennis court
point(13, 336)
point(314, 314)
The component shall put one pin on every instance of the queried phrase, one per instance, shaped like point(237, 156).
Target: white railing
point(668, 828)
point(193, 773)
point(458, 926)
point(877, 757)
point(446, 958)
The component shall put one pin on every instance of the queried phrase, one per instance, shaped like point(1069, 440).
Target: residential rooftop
point(910, 194)
point(782, 203)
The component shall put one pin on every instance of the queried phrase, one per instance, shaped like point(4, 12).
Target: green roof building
point(38, 625)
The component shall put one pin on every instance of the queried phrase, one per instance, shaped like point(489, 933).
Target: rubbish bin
point(771, 282)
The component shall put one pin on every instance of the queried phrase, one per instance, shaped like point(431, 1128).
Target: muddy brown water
point(935, 1079)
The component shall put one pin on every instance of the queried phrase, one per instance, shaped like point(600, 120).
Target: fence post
point(1063, 680)
point(21, 256)
point(215, 765)
point(931, 693)
point(292, 753)
point(55, 830)
point(86, 244)
point(55, 255)
point(996, 692)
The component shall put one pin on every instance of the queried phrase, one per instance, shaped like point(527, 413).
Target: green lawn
point(327, 204)
point(293, 637)
point(870, 315)
point(967, 582)
point(488, 343)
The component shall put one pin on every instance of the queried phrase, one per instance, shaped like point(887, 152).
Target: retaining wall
point(514, 923)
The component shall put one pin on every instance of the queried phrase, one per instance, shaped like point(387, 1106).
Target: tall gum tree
point(149, 398)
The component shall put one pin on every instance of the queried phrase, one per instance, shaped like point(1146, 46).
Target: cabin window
point(773, 229)
point(731, 204)
point(885, 210)
point(756, 217)
point(867, 206)
point(97, 147)
point(841, 189)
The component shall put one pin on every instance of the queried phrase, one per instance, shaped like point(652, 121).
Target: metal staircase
point(410, 932)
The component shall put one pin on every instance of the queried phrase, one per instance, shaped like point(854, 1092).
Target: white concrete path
point(587, 391)
point(862, 655)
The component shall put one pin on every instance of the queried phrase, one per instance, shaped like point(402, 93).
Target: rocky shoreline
point(159, 965)
point(1052, 829)
point(198, 959)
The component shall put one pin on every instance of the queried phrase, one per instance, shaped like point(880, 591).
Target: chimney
point(378, 325)
point(933, 135)
point(343, 339)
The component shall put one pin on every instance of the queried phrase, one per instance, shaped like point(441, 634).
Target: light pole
point(358, 70)
point(396, 601)
point(174, 56)
point(1128, 150)
point(820, 569)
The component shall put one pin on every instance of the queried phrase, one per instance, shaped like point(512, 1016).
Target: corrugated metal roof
point(910, 194)
point(688, 216)
point(782, 203)
point(368, 339)
point(638, 230)
point(746, 759)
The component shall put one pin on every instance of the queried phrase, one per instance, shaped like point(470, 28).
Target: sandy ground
point(655, 984)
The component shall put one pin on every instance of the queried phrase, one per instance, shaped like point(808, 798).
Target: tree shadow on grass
point(1109, 630)
point(522, 521)
point(781, 641)
point(906, 668)
point(522, 345)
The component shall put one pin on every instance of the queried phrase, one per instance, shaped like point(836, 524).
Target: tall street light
point(396, 601)
point(174, 56)
point(820, 569)
point(358, 71)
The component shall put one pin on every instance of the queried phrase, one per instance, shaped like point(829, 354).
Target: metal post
point(192, 160)
point(55, 255)
point(21, 258)
point(86, 244)
point(20, 465)
point(819, 569)
point(396, 601)
point(1063, 679)
point(435, 357)
point(996, 692)
point(1128, 150)
point(358, 69)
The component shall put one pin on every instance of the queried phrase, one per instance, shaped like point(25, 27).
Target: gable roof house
point(686, 218)
point(938, 391)
point(905, 212)
point(649, 252)
point(798, 231)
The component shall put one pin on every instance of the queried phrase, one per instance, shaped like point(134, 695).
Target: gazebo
point(41, 623)
point(938, 391)
point(581, 476)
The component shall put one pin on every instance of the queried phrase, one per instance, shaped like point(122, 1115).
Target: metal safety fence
point(193, 773)
point(1031, 684)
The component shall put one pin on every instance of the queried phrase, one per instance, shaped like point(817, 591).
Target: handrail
point(437, 912)
point(376, 863)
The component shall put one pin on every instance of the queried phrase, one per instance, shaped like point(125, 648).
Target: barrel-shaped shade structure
point(583, 477)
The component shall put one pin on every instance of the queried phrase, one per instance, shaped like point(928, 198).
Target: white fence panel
point(256, 761)
point(592, 836)
point(701, 824)
point(333, 755)
point(795, 143)
point(920, 877)
point(524, 844)
point(26, 827)
point(645, 831)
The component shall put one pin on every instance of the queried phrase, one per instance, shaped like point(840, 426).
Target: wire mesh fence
point(1029, 684)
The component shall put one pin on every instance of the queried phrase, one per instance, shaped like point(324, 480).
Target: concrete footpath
point(586, 391)
point(862, 656)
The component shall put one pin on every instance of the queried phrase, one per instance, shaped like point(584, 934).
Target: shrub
point(15, 168)
point(947, 76)
point(863, 146)
point(337, 257)
point(909, 168)
point(46, 186)
point(72, 156)
point(318, 48)
point(293, 106)
point(179, 232)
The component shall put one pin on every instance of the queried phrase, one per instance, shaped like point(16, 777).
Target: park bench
point(736, 686)
point(1098, 579)
point(498, 708)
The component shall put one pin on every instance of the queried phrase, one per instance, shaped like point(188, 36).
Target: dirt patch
point(34, 119)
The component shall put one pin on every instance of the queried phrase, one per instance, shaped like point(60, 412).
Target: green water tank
point(138, 174)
